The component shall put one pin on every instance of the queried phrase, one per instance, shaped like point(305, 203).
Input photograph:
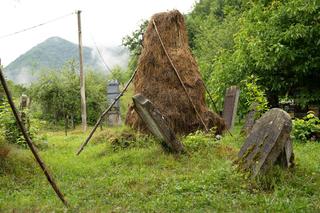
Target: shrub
point(10, 129)
point(307, 128)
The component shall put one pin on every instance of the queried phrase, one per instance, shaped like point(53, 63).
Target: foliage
point(134, 43)
point(211, 28)
point(10, 129)
point(252, 97)
point(58, 94)
point(307, 128)
point(117, 73)
point(277, 41)
point(199, 140)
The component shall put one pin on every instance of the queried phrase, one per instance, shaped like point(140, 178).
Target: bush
point(10, 129)
point(307, 128)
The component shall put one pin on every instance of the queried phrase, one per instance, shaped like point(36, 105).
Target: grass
point(140, 177)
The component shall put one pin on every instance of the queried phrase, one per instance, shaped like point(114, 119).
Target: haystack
point(157, 81)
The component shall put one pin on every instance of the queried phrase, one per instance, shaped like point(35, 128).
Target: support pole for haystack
point(82, 80)
point(105, 112)
point(29, 141)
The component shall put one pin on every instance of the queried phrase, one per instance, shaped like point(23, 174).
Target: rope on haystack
point(177, 74)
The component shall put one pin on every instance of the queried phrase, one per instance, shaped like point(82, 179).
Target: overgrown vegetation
point(144, 179)
point(57, 94)
point(268, 48)
point(307, 128)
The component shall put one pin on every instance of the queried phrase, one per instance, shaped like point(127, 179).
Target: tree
point(279, 42)
point(57, 93)
point(134, 43)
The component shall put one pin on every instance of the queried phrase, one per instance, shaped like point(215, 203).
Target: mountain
point(54, 52)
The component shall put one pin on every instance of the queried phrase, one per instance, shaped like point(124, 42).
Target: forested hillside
point(53, 53)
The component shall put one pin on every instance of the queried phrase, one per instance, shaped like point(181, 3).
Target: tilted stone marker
point(24, 104)
point(156, 123)
point(231, 105)
point(268, 143)
point(113, 116)
point(250, 119)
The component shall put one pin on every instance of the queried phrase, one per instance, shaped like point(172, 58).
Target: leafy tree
point(134, 43)
point(276, 41)
point(212, 26)
point(58, 94)
point(279, 42)
point(117, 73)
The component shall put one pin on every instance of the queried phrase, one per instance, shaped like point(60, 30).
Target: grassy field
point(114, 175)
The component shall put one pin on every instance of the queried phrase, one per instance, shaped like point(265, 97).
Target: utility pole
point(82, 80)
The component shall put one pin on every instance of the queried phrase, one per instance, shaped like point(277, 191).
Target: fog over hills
point(54, 52)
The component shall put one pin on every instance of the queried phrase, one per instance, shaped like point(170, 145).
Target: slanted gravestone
point(156, 123)
point(250, 119)
point(230, 106)
point(267, 144)
point(24, 104)
point(113, 116)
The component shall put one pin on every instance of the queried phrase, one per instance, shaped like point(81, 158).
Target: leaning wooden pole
point(105, 112)
point(29, 141)
point(82, 80)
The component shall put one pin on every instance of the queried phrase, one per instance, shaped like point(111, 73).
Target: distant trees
point(57, 93)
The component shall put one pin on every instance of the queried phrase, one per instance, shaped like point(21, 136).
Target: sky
point(103, 22)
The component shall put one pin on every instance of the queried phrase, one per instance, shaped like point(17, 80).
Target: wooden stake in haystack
point(29, 141)
point(169, 77)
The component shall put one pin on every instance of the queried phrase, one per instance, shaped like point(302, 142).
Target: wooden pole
point(29, 141)
point(105, 112)
point(82, 79)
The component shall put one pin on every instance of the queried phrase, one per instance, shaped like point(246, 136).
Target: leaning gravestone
point(268, 143)
point(24, 104)
point(156, 123)
point(250, 119)
point(230, 106)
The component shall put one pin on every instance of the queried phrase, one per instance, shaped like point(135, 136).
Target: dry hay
point(157, 81)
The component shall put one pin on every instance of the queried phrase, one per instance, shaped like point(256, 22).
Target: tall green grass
point(141, 177)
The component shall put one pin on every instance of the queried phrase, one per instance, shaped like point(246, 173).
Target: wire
point(35, 26)
point(100, 55)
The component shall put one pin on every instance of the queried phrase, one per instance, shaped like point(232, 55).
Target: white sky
point(104, 21)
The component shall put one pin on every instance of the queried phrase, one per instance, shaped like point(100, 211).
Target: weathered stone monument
point(156, 123)
point(24, 104)
point(230, 106)
point(250, 119)
point(113, 116)
point(268, 143)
